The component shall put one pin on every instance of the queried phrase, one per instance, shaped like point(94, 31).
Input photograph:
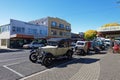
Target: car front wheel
point(47, 61)
point(33, 57)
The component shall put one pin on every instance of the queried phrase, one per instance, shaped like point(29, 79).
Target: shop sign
point(111, 28)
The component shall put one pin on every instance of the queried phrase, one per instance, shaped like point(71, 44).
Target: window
point(68, 33)
point(32, 31)
point(68, 28)
point(23, 30)
point(80, 43)
point(61, 33)
point(40, 31)
point(53, 32)
point(54, 24)
point(13, 29)
point(61, 26)
point(3, 42)
point(0, 29)
point(18, 29)
point(4, 28)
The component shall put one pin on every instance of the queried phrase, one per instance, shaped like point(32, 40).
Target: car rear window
point(80, 43)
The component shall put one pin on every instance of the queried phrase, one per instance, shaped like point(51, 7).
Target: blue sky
point(82, 14)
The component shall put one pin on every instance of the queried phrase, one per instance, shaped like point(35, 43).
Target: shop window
point(3, 42)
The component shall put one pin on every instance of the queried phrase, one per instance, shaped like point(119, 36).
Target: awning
point(22, 36)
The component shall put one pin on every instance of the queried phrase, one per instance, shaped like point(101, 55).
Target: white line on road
point(13, 71)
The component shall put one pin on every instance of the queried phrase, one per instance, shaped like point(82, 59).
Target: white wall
point(5, 35)
point(30, 29)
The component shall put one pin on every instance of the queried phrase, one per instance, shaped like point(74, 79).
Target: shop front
point(18, 40)
point(109, 32)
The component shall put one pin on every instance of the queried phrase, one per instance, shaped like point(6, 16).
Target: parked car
point(36, 43)
point(33, 45)
point(107, 42)
point(82, 47)
point(56, 48)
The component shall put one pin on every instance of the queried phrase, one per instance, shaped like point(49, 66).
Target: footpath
point(84, 68)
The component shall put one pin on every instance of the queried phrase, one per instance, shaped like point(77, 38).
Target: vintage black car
point(56, 47)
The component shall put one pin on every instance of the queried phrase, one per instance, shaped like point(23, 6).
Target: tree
point(90, 34)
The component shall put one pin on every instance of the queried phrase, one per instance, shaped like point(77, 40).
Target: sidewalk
point(86, 68)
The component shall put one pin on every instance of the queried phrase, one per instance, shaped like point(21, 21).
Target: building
point(112, 31)
point(56, 27)
point(17, 33)
point(77, 37)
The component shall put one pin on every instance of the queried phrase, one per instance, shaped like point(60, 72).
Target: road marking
point(38, 73)
point(11, 59)
point(15, 63)
point(13, 71)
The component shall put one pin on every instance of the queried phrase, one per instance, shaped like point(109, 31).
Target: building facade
point(56, 27)
point(18, 33)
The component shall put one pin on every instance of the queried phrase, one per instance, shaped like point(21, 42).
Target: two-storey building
point(56, 27)
point(18, 33)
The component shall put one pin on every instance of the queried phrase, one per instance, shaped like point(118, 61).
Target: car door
point(62, 49)
point(59, 51)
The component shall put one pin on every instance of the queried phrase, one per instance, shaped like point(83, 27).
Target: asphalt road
point(15, 65)
point(10, 58)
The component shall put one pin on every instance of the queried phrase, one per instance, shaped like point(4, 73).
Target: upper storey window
point(61, 26)
point(54, 24)
point(68, 28)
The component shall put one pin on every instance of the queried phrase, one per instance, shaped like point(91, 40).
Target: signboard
point(111, 28)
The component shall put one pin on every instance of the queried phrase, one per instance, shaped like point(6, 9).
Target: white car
point(81, 47)
point(107, 42)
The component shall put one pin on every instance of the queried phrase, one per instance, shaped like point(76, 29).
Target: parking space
point(17, 70)
point(26, 68)
point(17, 65)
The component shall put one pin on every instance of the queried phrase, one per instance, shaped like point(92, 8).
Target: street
point(16, 65)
